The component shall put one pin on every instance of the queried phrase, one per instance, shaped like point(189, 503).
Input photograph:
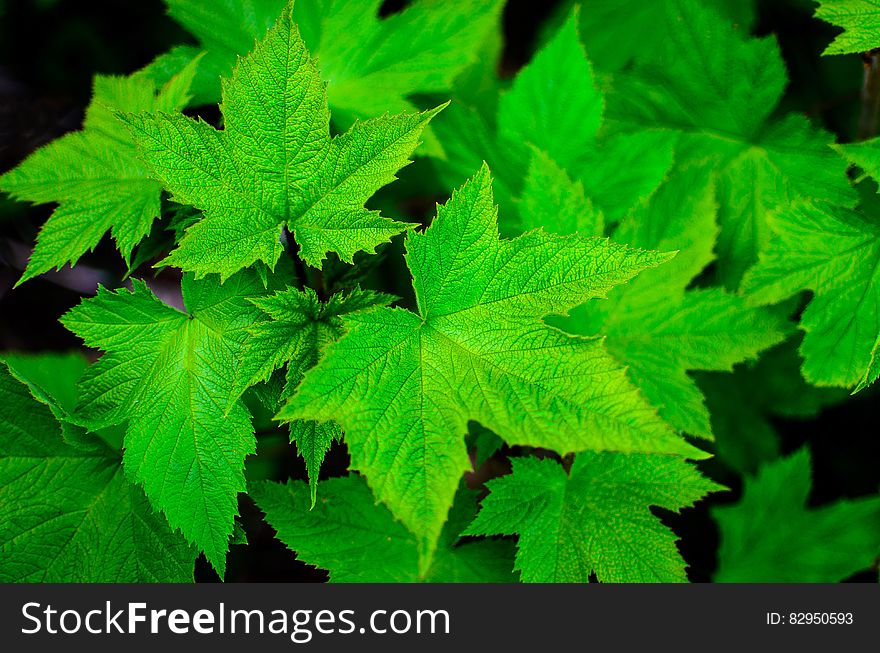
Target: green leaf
point(771, 536)
point(553, 102)
point(860, 20)
point(597, 519)
point(372, 65)
point(169, 374)
point(359, 541)
point(275, 165)
point(623, 170)
point(834, 252)
point(52, 380)
point(95, 175)
point(717, 89)
point(617, 32)
point(403, 385)
point(225, 29)
point(295, 329)
point(69, 515)
point(657, 327)
point(553, 106)
point(551, 197)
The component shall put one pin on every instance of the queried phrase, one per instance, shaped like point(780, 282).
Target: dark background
point(49, 50)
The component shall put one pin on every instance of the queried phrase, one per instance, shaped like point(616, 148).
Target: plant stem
point(319, 284)
point(870, 95)
point(299, 267)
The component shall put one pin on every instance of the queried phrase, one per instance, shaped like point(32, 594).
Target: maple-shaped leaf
point(358, 541)
point(404, 384)
point(832, 251)
point(554, 106)
point(295, 329)
point(659, 328)
point(372, 65)
point(860, 20)
point(68, 514)
point(595, 519)
point(169, 375)
point(717, 88)
point(95, 175)
point(275, 164)
point(771, 536)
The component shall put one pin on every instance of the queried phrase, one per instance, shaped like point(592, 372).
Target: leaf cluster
point(602, 316)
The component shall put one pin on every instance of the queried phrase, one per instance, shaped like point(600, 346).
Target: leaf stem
point(299, 267)
point(870, 95)
point(319, 284)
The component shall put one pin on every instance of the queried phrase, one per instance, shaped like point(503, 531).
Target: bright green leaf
point(551, 197)
point(659, 328)
point(834, 252)
point(597, 519)
point(372, 65)
point(554, 106)
point(717, 88)
point(95, 175)
point(617, 32)
point(403, 385)
point(169, 374)
point(860, 20)
point(275, 165)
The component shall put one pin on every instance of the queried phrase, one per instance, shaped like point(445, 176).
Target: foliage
point(640, 260)
point(860, 20)
point(95, 175)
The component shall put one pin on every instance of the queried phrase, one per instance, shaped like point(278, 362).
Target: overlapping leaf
point(169, 376)
point(659, 328)
point(553, 106)
point(356, 540)
point(860, 20)
point(275, 165)
point(372, 65)
point(834, 252)
point(716, 88)
point(295, 329)
point(68, 514)
point(594, 520)
point(95, 175)
point(403, 385)
point(225, 30)
point(770, 536)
